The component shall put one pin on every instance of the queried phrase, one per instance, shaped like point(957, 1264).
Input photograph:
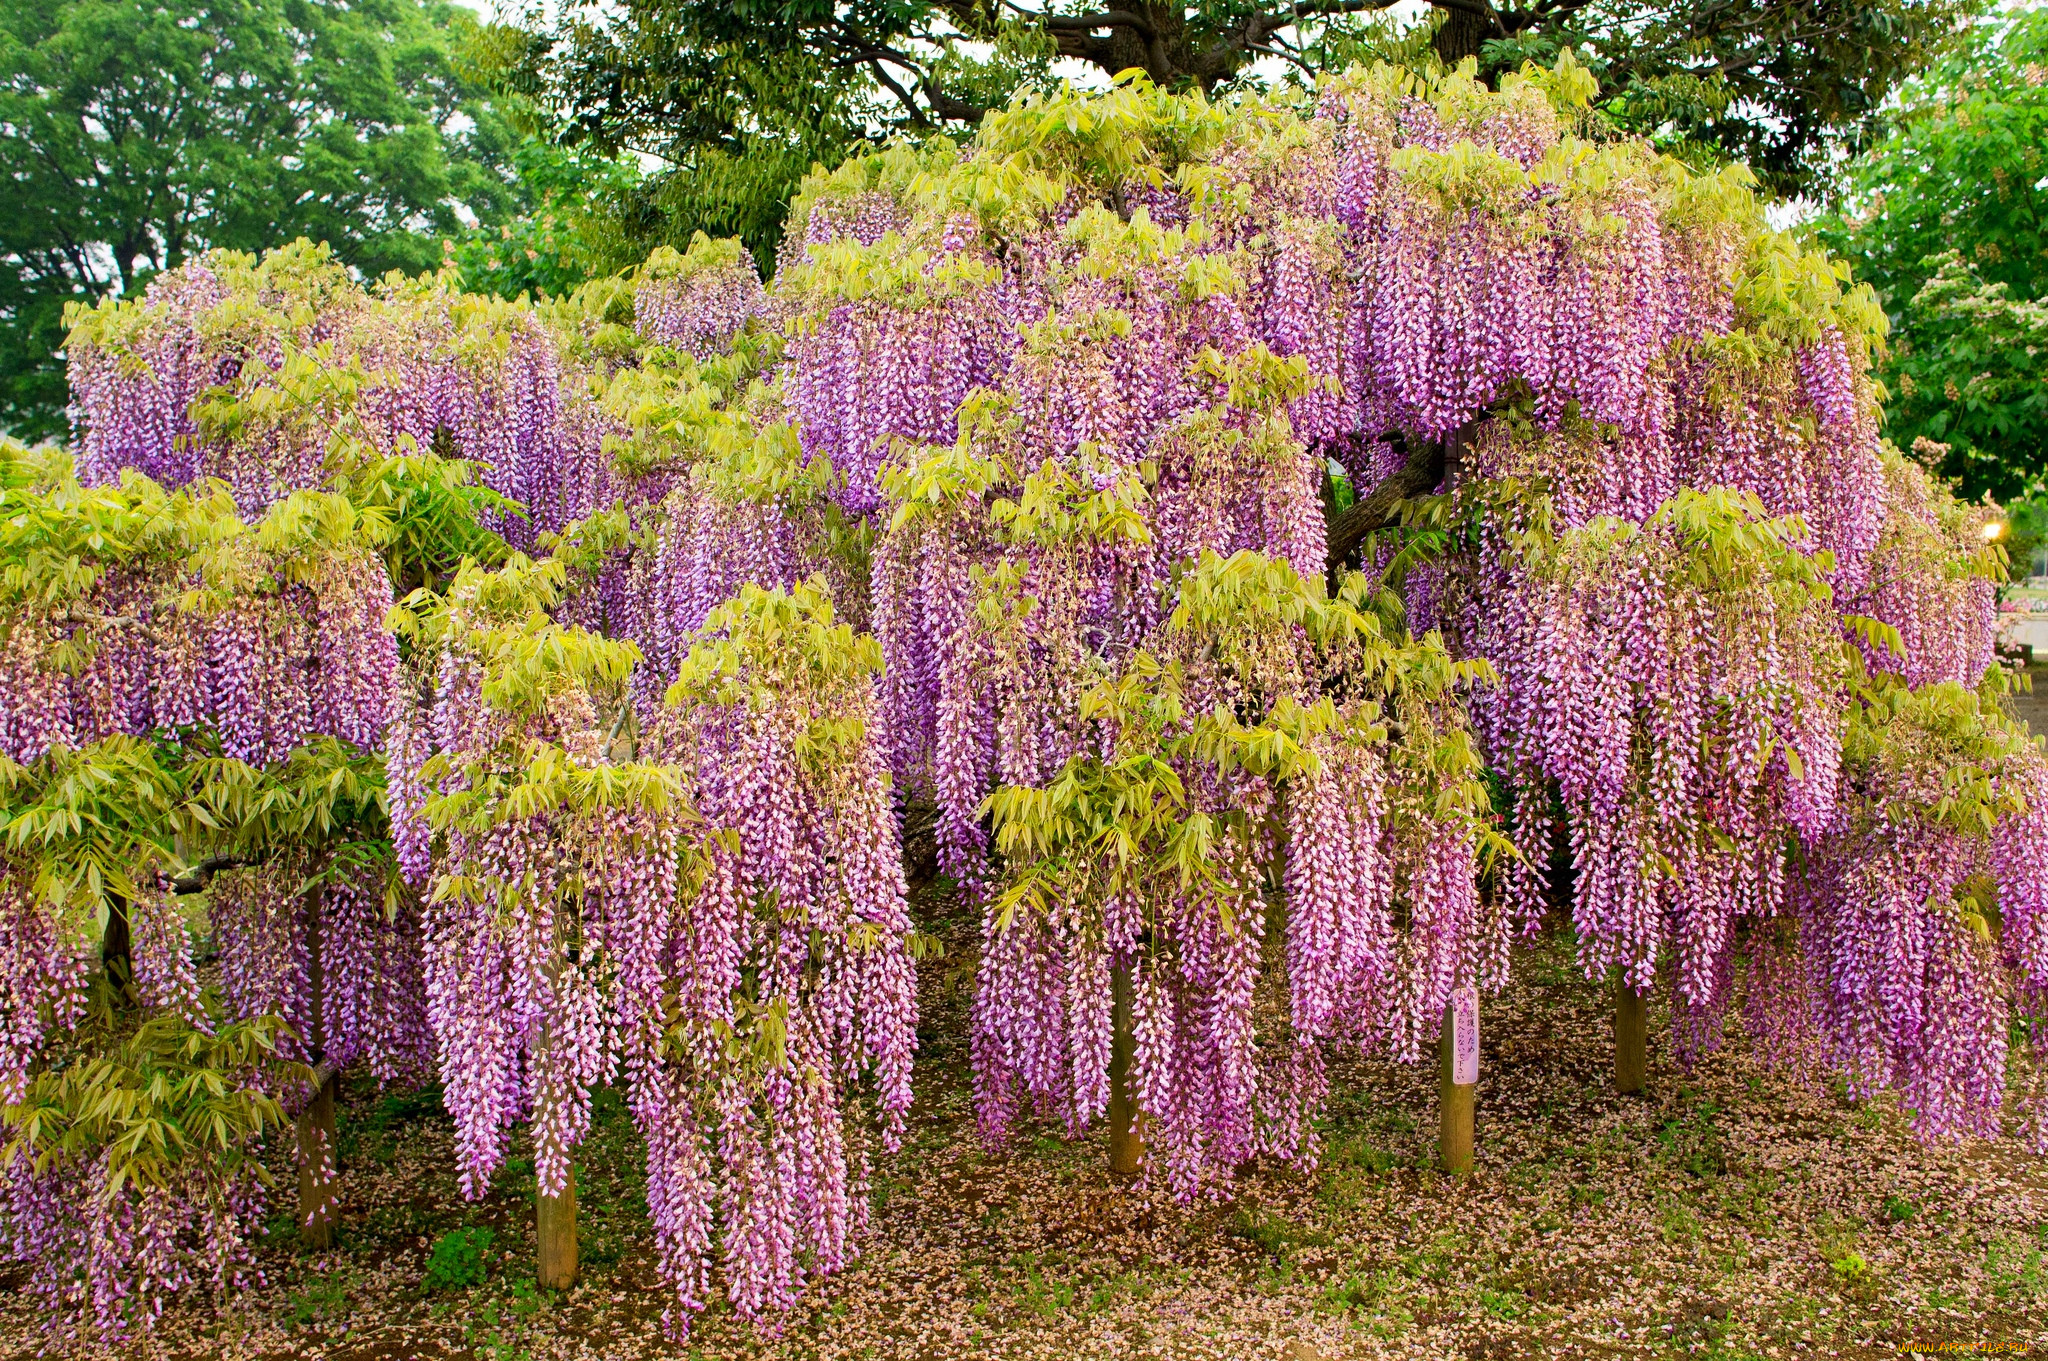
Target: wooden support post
point(554, 1219)
point(1126, 1125)
point(555, 1230)
point(319, 1169)
point(1457, 1100)
point(1630, 1059)
point(319, 1158)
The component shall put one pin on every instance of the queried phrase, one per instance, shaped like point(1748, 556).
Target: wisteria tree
point(1286, 550)
point(1634, 444)
point(188, 708)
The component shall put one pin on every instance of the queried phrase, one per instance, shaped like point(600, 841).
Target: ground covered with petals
point(1725, 1213)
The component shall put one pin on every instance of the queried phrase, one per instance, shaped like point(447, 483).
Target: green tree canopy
point(741, 96)
point(136, 133)
point(1948, 219)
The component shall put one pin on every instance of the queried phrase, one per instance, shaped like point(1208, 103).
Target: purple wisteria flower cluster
point(711, 910)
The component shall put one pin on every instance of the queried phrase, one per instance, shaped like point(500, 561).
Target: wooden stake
point(555, 1216)
point(1630, 1059)
point(319, 1179)
point(1126, 1125)
point(555, 1228)
point(1457, 1101)
point(319, 1159)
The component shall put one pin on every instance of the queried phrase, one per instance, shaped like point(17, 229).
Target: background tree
point(133, 136)
point(1948, 219)
point(740, 98)
point(578, 223)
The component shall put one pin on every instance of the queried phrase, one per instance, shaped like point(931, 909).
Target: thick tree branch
point(1310, 9)
point(949, 107)
point(903, 96)
point(85, 616)
point(1424, 469)
point(1089, 23)
point(195, 879)
point(1478, 9)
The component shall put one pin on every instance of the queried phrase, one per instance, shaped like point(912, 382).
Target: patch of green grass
point(1275, 1235)
point(1940, 1297)
point(324, 1296)
point(1836, 1237)
point(1692, 1143)
point(528, 1298)
point(373, 1135)
point(2014, 1267)
point(1363, 1290)
point(1044, 1296)
point(1898, 1209)
point(1362, 1153)
point(1374, 1300)
point(458, 1259)
point(1677, 1222)
point(1752, 1200)
point(1849, 1265)
point(1505, 1305)
point(1268, 1232)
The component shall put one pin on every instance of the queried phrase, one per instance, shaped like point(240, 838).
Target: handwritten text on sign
point(1465, 1036)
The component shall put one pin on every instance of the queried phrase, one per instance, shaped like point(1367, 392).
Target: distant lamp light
point(1992, 529)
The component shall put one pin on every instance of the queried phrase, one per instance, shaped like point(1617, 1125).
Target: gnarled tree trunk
point(1467, 26)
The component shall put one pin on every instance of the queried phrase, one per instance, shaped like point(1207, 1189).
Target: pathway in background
point(2033, 707)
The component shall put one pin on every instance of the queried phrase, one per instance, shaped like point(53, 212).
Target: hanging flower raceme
point(284, 375)
point(137, 611)
point(1680, 686)
point(981, 687)
point(1924, 897)
point(1932, 583)
point(695, 301)
point(721, 495)
point(136, 1112)
point(1271, 829)
point(714, 911)
point(133, 1173)
point(1093, 535)
point(886, 340)
point(519, 769)
point(186, 692)
point(222, 323)
point(792, 1045)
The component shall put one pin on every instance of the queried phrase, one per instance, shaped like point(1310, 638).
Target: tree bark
point(116, 952)
point(1630, 1048)
point(555, 1216)
point(196, 878)
point(1376, 510)
point(1465, 30)
point(555, 1230)
point(1126, 1124)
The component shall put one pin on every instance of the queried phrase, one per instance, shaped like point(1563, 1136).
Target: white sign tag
point(1465, 1036)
